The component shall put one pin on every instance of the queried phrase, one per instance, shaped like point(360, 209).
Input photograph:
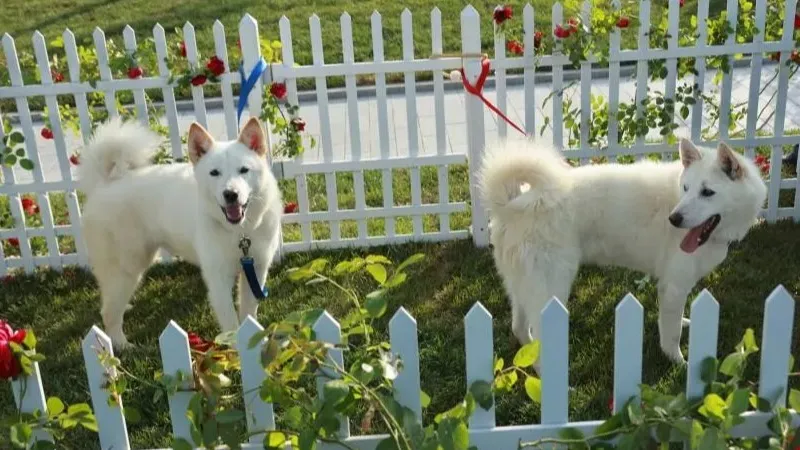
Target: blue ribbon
point(252, 280)
point(248, 83)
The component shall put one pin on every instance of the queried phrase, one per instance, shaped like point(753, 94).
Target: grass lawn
point(61, 307)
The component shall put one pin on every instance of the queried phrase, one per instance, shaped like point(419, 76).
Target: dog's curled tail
point(116, 148)
point(523, 178)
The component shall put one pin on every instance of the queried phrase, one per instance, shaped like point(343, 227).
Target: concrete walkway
point(454, 118)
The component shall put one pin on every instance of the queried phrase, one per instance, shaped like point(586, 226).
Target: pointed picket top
point(112, 429)
point(629, 305)
point(345, 19)
point(176, 357)
point(375, 16)
point(704, 316)
point(314, 22)
point(554, 362)
point(405, 343)
point(479, 348)
point(38, 38)
point(40, 50)
point(284, 20)
point(628, 338)
point(218, 26)
point(248, 21)
point(405, 15)
point(160, 38)
point(260, 415)
point(12, 61)
point(478, 312)
point(129, 37)
point(554, 308)
point(469, 12)
point(98, 34)
point(528, 9)
point(327, 329)
point(776, 340)
point(172, 331)
point(71, 50)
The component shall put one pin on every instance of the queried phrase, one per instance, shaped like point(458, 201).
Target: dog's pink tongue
point(234, 212)
point(690, 242)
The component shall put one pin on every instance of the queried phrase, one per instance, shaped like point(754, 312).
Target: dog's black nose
point(676, 219)
point(230, 196)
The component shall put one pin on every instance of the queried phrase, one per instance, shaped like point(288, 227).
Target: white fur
point(547, 219)
point(133, 209)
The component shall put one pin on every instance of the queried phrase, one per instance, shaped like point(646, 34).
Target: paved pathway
point(454, 118)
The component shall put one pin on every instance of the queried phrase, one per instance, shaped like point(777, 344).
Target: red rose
point(760, 159)
point(299, 124)
point(290, 208)
point(623, 22)
point(765, 168)
point(515, 47)
point(47, 133)
point(501, 14)
point(182, 48)
point(199, 80)
point(74, 159)
point(14, 242)
point(795, 56)
point(682, 2)
point(9, 365)
point(199, 344)
point(58, 77)
point(561, 32)
point(29, 206)
point(537, 39)
point(135, 72)
point(775, 56)
point(216, 66)
point(611, 405)
point(797, 21)
point(573, 25)
point(278, 90)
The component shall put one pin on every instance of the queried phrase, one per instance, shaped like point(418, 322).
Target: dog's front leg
point(219, 280)
point(671, 303)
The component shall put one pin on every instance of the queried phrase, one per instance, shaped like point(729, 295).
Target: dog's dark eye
point(244, 170)
point(214, 173)
point(706, 192)
point(685, 188)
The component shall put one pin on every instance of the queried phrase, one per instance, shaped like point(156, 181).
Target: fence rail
point(776, 341)
point(354, 147)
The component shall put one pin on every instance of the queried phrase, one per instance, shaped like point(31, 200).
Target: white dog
point(671, 220)
point(198, 211)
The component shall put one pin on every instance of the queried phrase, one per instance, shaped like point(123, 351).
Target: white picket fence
point(775, 345)
point(355, 161)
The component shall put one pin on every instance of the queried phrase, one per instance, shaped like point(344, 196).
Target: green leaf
point(527, 355)
point(54, 406)
point(387, 444)
point(275, 439)
point(378, 272)
point(20, 152)
point(10, 160)
point(395, 280)
point(482, 391)
point(376, 304)
point(377, 259)
point(413, 259)
point(713, 440)
point(498, 364)
point(26, 164)
point(307, 440)
point(733, 365)
point(16, 137)
point(506, 381)
point(21, 434)
point(708, 370)
point(573, 434)
point(533, 387)
point(749, 342)
point(794, 399)
point(424, 399)
point(230, 416)
point(635, 414)
point(181, 444)
point(738, 400)
point(30, 340)
point(296, 274)
point(713, 406)
point(335, 391)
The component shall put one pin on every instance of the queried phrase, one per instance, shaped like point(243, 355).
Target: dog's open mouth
point(234, 213)
point(698, 235)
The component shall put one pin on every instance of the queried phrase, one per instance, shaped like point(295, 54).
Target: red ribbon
point(477, 90)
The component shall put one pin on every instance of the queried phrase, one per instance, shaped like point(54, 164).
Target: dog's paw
point(674, 354)
point(685, 322)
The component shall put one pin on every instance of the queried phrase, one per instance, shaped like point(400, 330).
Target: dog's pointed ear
point(729, 162)
point(689, 153)
point(199, 142)
point(253, 136)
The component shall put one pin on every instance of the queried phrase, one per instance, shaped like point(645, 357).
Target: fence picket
point(328, 330)
point(193, 57)
point(700, 77)
point(479, 348)
point(586, 85)
point(404, 342)
point(642, 71)
point(727, 77)
point(15, 205)
point(260, 415)
point(169, 105)
point(226, 80)
point(500, 79)
point(353, 122)
point(112, 430)
point(129, 39)
point(476, 137)
point(103, 66)
point(410, 83)
point(383, 120)
point(325, 124)
point(53, 257)
point(776, 343)
point(628, 335)
point(441, 134)
point(613, 82)
point(557, 17)
point(673, 17)
point(529, 72)
point(291, 88)
point(33, 398)
point(704, 318)
point(74, 67)
point(756, 64)
point(555, 363)
point(176, 358)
